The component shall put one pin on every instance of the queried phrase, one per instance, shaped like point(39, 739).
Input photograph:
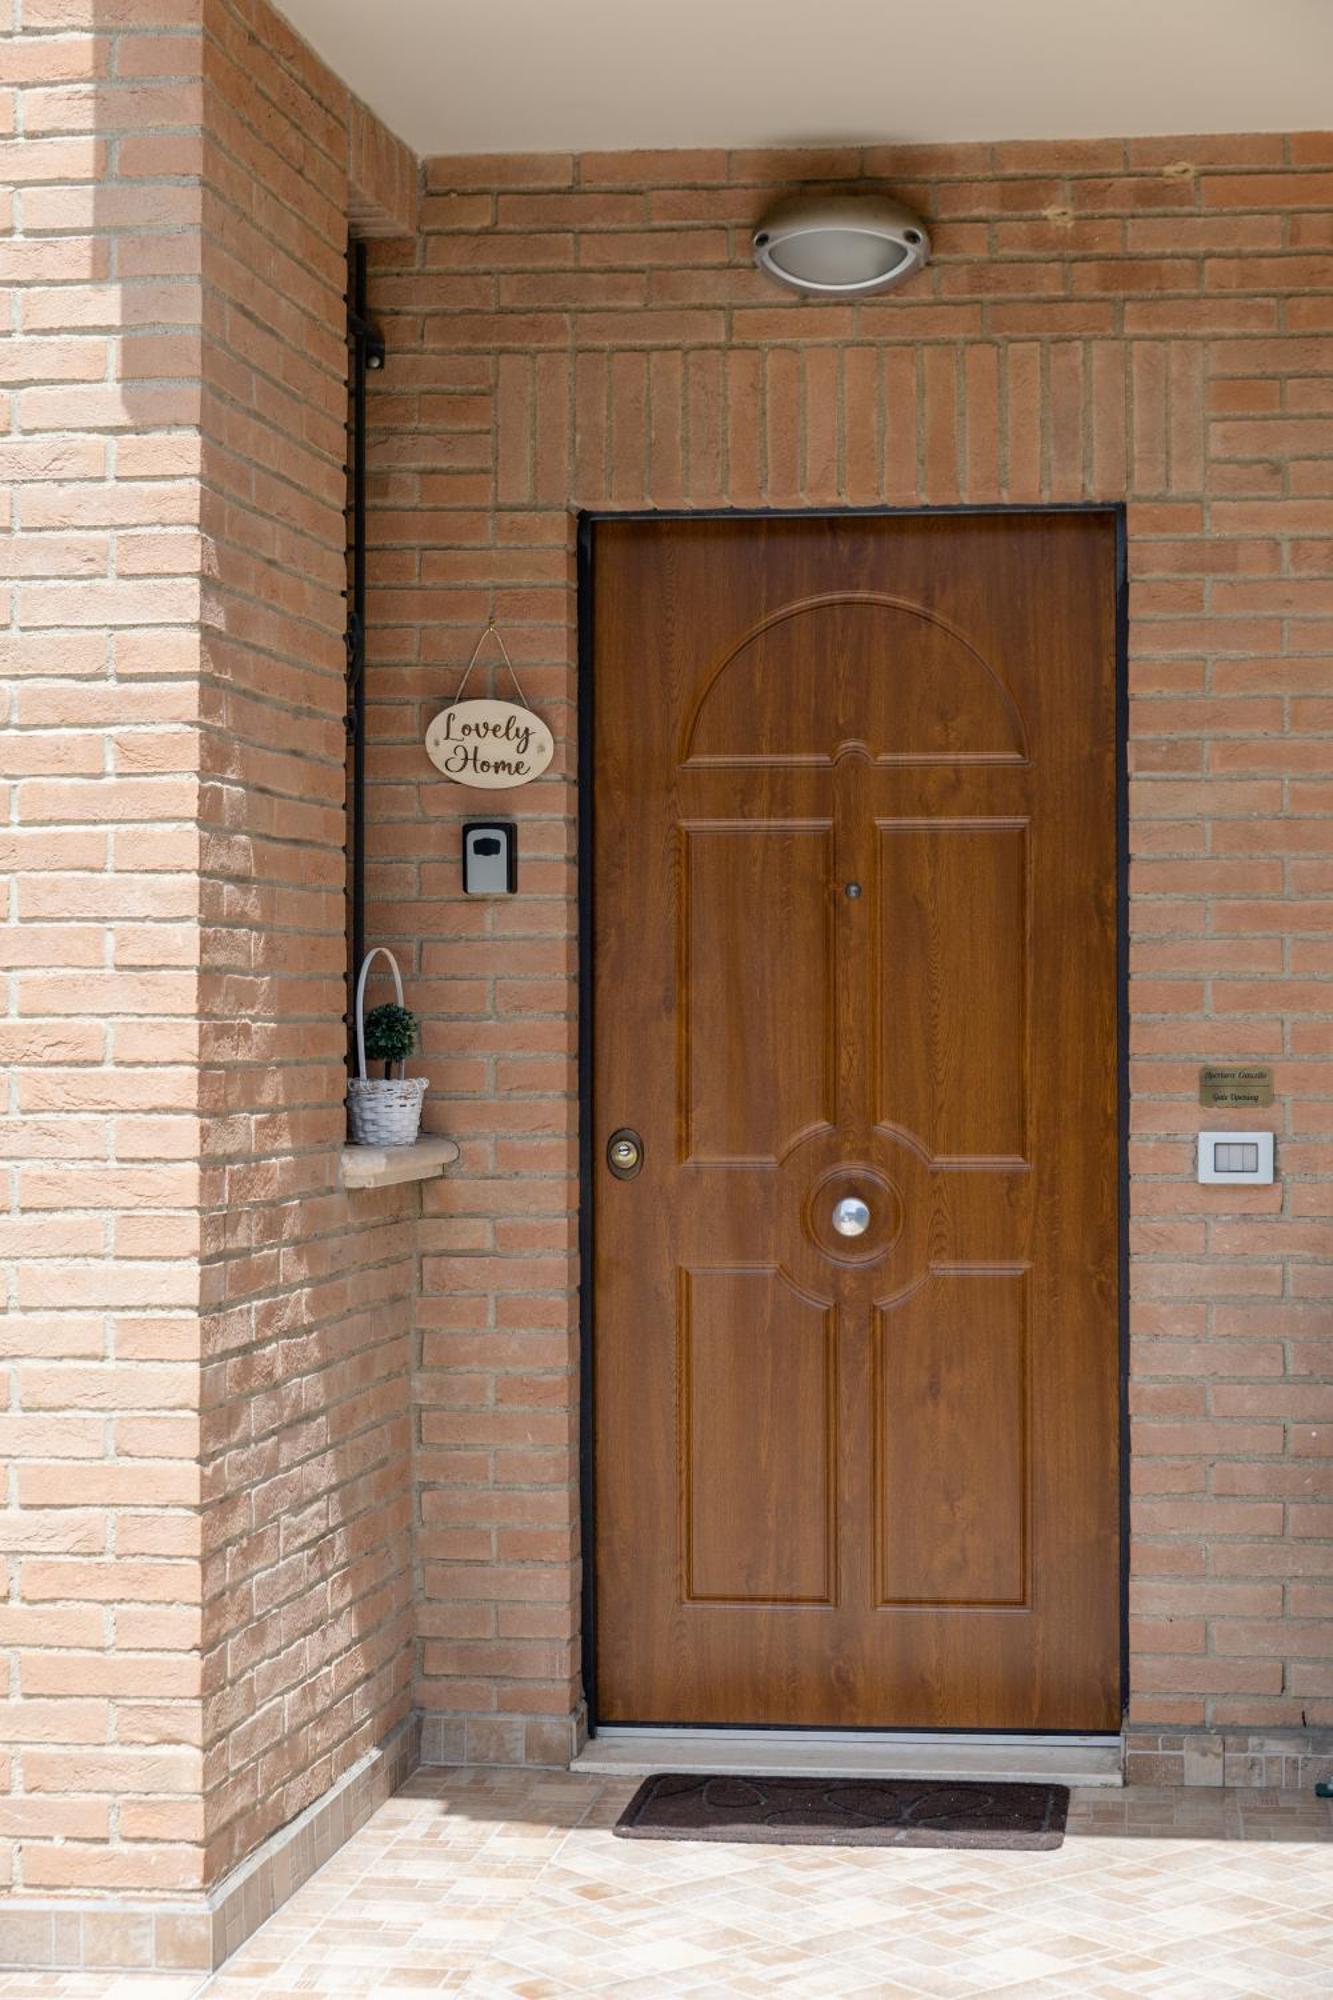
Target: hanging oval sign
point(491, 744)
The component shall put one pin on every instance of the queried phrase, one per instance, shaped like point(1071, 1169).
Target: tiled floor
point(501, 1885)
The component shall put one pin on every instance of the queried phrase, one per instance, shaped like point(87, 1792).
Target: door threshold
point(809, 1753)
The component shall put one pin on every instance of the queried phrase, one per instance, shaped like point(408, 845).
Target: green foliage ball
point(391, 1034)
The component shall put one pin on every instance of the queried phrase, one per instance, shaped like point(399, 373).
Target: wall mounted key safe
point(490, 857)
point(1244, 1157)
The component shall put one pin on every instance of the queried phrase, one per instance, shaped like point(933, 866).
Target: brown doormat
point(846, 1812)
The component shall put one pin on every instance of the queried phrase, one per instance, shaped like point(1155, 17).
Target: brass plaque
point(1235, 1086)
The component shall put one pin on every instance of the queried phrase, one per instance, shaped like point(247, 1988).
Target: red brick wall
point(307, 1292)
point(1149, 321)
point(99, 1525)
point(206, 1434)
point(204, 1443)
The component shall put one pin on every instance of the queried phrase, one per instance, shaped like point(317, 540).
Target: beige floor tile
point(98, 1985)
point(508, 1885)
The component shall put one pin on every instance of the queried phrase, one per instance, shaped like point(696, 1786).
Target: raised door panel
point(757, 1443)
point(757, 1061)
point(952, 1441)
point(952, 1054)
point(832, 672)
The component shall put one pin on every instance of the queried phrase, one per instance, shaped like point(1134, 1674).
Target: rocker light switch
point(490, 857)
point(1244, 1157)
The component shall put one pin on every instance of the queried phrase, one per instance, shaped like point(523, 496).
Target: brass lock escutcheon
point(624, 1153)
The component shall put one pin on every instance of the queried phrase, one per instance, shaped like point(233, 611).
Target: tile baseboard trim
point(545, 1742)
point(196, 1934)
point(1273, 1759)
point(107, 1934)
point(259, 1886)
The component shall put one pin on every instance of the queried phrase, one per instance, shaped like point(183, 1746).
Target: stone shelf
point(387, 1166)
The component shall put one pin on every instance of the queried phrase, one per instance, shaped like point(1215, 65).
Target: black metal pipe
point(365, 351)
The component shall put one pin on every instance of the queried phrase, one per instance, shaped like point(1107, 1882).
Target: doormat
point(846, 1812)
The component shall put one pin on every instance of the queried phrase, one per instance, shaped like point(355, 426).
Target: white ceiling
point(467, 76)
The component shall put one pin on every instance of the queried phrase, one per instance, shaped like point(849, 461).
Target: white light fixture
point(841, 245)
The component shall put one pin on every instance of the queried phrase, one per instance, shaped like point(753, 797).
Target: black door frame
point(589, 1152)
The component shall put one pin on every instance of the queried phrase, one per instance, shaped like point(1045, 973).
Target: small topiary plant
point(391, 1035)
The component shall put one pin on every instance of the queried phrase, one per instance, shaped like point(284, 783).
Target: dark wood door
point(855, 943)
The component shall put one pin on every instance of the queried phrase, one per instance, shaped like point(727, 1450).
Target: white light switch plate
point(1230, 1159)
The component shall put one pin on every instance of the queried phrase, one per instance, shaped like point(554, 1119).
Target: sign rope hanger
point(491, 745)
point(492, 631)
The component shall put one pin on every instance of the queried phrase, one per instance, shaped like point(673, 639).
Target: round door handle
point(851, 1217)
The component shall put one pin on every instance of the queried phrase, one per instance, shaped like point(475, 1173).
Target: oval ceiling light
point(841, 245)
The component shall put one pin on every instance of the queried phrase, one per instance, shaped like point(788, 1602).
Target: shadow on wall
point(214, 1373)
point(307, 1292)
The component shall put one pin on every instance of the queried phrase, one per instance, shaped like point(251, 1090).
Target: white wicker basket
point(381, 1111)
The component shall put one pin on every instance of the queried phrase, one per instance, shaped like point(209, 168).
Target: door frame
point(587, 522)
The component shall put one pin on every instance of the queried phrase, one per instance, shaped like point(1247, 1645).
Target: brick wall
point(207, 1426)
point(1150, 321)
point(307, 1629)
point(99, 1531)
point(203, 1433)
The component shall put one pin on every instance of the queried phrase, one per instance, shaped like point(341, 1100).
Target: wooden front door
point(855, 1365)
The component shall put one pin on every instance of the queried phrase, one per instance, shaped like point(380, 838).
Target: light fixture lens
point(837, 258)
point(844, 245)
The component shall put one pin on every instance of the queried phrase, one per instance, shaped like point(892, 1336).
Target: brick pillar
point(101, 1526)
point(204, 1511)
